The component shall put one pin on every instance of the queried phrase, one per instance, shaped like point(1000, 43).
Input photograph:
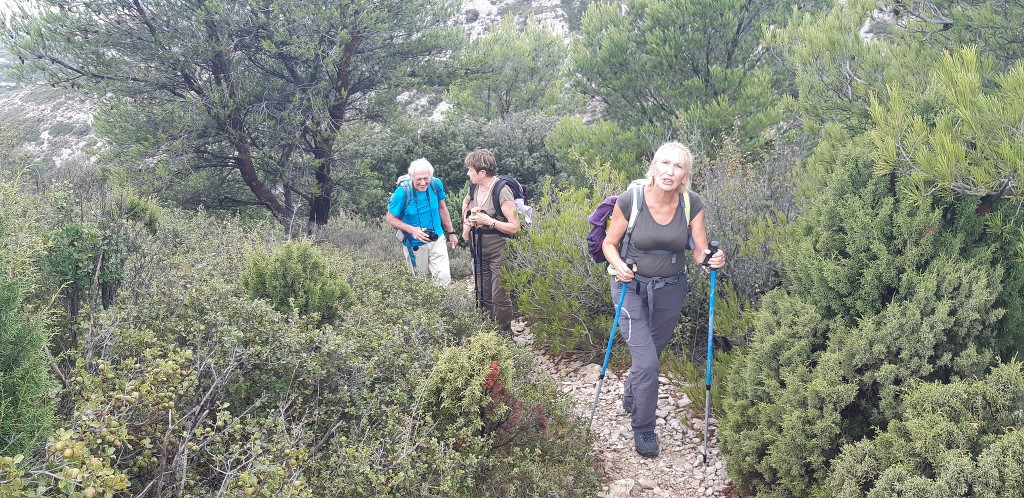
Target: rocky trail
point(679, 471)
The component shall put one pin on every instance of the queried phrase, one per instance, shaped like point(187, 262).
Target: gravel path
point(679, 471)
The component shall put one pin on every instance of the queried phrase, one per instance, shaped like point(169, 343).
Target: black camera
point(431, 234)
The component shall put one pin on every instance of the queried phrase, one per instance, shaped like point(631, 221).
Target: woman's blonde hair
point(687, 161)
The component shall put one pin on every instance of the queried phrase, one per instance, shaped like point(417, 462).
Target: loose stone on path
point(679, 470)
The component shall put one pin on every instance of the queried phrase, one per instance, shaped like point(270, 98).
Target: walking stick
point(711, 335)
point(474, 248)
point(478, 271)
point(608, 350)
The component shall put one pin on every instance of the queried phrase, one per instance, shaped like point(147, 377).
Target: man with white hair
point(417, 209)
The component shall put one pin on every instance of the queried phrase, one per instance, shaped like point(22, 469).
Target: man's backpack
point(518, 193)
point(404, 182)
point(602, 215)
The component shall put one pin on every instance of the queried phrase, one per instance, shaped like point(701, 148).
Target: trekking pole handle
point(629, 262)
point(714, 248)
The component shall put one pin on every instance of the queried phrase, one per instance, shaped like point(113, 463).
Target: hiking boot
point(627, 404)
point(646, 443)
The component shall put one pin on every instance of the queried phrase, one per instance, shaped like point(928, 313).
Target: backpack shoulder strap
point(499, 184)
point(406, 186)
point(634, 210)
point(435, 184)
point(638, 199)
point(686, 206)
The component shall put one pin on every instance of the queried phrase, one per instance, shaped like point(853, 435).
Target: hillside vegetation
point(199, 297)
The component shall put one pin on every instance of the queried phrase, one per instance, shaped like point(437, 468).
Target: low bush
point(563, 294)
point(189, 386)
point(26, 384)
point(90, 238)
point(489, 401)
point(959, 439)
point(462, 390)
point(878, 293)
point(296, 276)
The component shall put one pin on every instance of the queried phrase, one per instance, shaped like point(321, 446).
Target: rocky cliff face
point(44, 132)
point(479, 15)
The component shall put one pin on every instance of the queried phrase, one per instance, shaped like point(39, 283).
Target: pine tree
point(252, 95)
point(509, 70)
point(878, 292)
point(896, 275)
point(656, 62)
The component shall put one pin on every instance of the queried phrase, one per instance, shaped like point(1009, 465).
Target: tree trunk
point(320, 204)
point(247, 168)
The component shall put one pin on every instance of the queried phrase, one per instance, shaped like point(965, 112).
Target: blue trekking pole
point(711, 335)
point(608, 350)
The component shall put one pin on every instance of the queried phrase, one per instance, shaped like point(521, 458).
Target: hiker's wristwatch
point(491, 226)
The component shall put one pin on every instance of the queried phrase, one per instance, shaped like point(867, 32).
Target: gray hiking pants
point(647, 335)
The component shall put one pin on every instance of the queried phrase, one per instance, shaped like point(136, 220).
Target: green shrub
point(486, 397)
point(26, 385)
point(71, 255)
point(86, 250)
point(743, 191)
point(466, 389)
point(296, 276)
point(189, 376)
point(563, 294)
point(144, 210)
point(575, 144)
point(957, 439)
point(877, 294)
point(166, 395)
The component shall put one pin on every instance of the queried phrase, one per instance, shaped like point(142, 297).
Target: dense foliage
point(964, 437)
point(225, 92)
point(296, 277)
point(510, 70)
point(876, 294)
point(26, 385)
point(899, 290)
point(663, 63)
point(554, 281)
point(861, 163)
point(191, 385)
